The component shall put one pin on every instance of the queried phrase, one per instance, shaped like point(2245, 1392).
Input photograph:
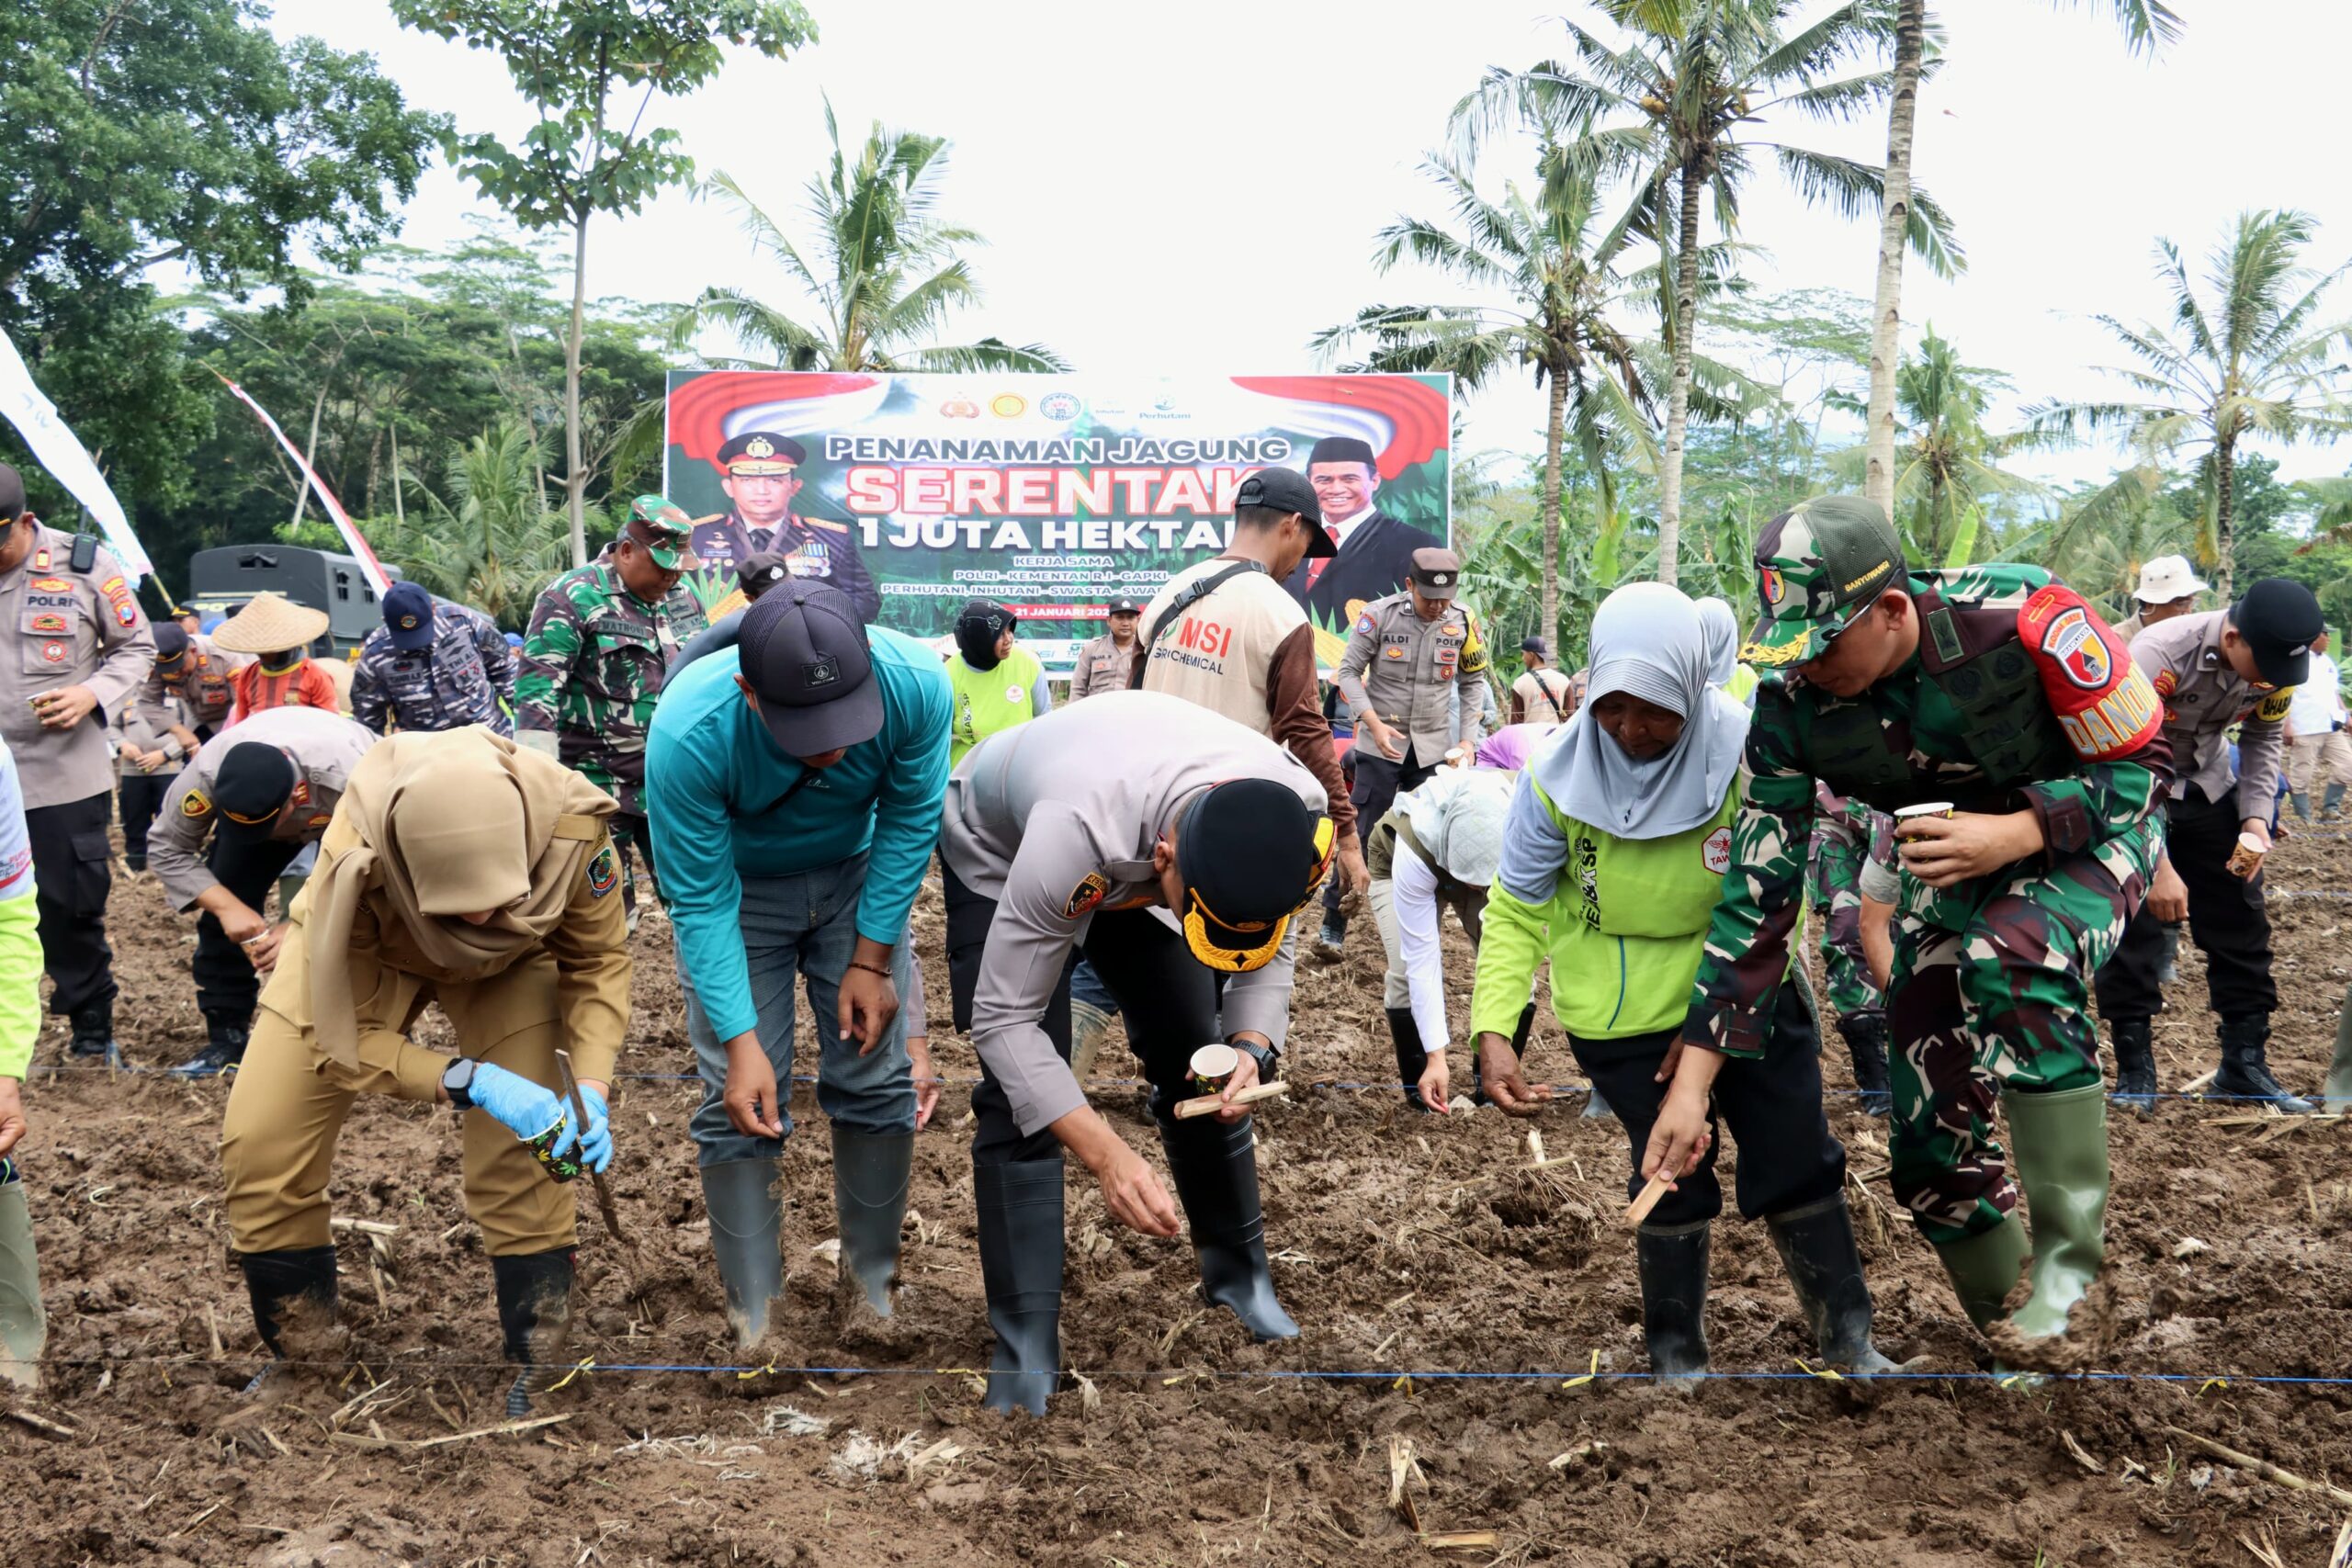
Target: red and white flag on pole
point(352, 538)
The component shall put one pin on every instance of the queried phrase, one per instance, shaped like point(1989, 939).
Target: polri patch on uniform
point(2166, 682)
point(53, 651)
point(48, 622)
point(51, 585)
point(195, 803)
point(604, 872)
point(1392, 652)
point(1366, 624)
point(1089, 891)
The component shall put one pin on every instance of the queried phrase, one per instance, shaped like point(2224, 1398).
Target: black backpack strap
point(1558, 712)
point(1194, 592)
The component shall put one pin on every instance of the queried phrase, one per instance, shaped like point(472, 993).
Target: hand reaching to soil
point(1499, 1070)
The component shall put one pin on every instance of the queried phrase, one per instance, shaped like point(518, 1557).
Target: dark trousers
point(226, 985)
point(633, 831)
point(1167, 997)
point(1787, 1157)
point(140, 797)
point(2226, 918)
point(1378, 783)
point(72, 863)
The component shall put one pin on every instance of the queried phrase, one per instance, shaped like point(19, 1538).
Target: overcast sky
point(1196, 189)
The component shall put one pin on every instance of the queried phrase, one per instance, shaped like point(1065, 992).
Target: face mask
point(976, 639)
point(279, 660)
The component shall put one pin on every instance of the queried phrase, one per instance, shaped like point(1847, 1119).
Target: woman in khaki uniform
point(464, 871)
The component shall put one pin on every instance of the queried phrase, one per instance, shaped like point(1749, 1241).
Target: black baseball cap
point(2280, 619)
point(408, 617)
point(1250, 854)
point(759, 571)
point(252, 785)
point(804, 652)
point(1123, 605)
point(1286, 489)
point(171, 641)
point(1537, 646)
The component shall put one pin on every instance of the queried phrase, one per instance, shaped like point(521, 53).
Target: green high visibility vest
point(990, 700)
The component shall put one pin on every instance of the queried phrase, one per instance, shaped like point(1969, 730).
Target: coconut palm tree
point(2247, 356)
point(1947, 464)
point(2147, 25)
point(1679, 112)
point(883, 273)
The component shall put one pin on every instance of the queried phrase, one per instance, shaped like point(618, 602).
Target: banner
point(1052, 494)
point(68, 461)
point(352, 540)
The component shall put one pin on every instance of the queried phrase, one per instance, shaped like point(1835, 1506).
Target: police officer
point(236, 816)
point(602, 637)
point(196, 675)
point(1107, 663)
point(146, 759)
point(432, 666)
point(758, 471)
point(1411, 678)
point(83, 647)
point(2213, 670)
point(460, 871)
point(1179, 866)
point(1997, 689)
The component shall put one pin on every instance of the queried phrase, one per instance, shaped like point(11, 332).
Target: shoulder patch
point(195, 803)
point(1366, 624)
point(2104, 704)
point(1089, 891)
point(2273, 709)
point(604, 872)
point(2165, 682)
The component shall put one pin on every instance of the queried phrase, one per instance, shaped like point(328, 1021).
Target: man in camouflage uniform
point(1999, 691)
point(1848, 835)
point(602, 637)
point(432, 666)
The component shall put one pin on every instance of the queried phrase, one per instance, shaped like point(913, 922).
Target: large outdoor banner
point(1052, 494)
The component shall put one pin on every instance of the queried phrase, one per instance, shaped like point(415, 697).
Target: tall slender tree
point(2249, 356)
point(2147, 25)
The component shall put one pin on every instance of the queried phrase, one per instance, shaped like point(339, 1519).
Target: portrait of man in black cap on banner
point(1375, 550)
point(760, 475)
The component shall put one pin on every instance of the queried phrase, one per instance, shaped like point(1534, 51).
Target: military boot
point(2060, 1143)
point(2135, 1062)
point(871, 1172)
point(1411, 1060)
point(1089, 1025)
point(1865, 1035)
point(1825, 1268)
point(94, 1044)
point(535, 1317)
point(1020, 1216)
point(1214, 1166)
point(24, 1326)
point(746, 1225)
point(2246, 1069)
point(224, 1048)
point(1672, 1262)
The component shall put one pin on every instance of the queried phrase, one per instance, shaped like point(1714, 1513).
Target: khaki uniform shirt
point(324, 748)
point(203, 688)
point(2203, 697)
point(1103, 666)
point(1400, 667)
point(67, 628)
point(143, 727)
point(1036, 821)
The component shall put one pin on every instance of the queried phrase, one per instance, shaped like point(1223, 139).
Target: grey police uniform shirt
point(1413, 673)
point(324, 747)
point(68, 628)
point(1037, 811)
point(2203, 697)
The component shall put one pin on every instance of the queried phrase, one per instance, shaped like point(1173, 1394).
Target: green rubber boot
point(2336, 1095)
point(23, 1328)
point(1983, 1268)
point(2059, 1143)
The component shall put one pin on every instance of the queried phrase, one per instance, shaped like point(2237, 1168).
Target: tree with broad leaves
point(577, 61)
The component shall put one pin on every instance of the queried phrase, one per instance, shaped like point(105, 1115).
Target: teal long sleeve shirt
point(727, 802)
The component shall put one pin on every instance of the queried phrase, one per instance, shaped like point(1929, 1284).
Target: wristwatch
point(1265, 1055)
point(458, 1081)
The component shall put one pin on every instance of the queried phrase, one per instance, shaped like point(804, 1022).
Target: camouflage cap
point(663, 528)
point(1818, 565)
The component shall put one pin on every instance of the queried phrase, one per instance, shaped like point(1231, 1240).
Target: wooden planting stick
point(1639, 1210)
point(1210, 1104)
point(2265, 1469)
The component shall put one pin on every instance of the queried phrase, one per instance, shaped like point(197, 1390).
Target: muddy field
point(1185, 1444)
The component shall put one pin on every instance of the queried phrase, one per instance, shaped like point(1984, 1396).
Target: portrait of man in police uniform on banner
point(758, 471)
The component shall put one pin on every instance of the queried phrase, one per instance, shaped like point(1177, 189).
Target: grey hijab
point(1722, 625)
point(1650, 641)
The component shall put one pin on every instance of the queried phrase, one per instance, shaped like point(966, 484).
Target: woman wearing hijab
point(1619, 835)
point(997, 684)
point(461, 870)
point(1720, 623)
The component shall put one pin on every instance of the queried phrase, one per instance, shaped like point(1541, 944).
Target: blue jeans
point(804, 924)
point(1086, 986)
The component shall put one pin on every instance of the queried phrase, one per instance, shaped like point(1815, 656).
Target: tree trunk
point(2225, 473)
point(309, 458)
point(1894, 223)
point(1678, 402)
point(1554, 432)
point(575, 480)
point(399, 516)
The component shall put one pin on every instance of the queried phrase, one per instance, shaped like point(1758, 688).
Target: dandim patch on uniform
point(195, 804)
point(604, 872)
point(2077, 648)
point(1083, 897)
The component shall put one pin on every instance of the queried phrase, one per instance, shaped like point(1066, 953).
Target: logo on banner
point(1057, 406)
point(959, 408)
point(1008, 405)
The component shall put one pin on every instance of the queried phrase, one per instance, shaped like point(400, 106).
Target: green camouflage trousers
point(2004, 1000)
point(1835, 873)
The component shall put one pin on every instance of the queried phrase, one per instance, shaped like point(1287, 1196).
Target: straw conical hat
point(268, 624)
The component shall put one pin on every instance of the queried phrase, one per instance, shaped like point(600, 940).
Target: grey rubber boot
point(1825, 1268)
point(1673, 1266)
point(2330, 803)
point(1089, 1025)
point(535, 1317)
point(2336, 1092)
point(870, 1180)
point(2302, 805)
point(24, 1327)
point(1019, 1213)
point(746, 1226)
point(2135, 1062)
point(1215, 1166)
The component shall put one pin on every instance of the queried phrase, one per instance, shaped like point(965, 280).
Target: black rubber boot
point(1021, 1271)
point(2245, 1068)
point(2168, 963)
point(278, 1282)
point(535, 1317)
point(1865, 1035)
point(224, 1048)
point(94, 1039)
point(1673, 1261)
point(2135, 1062)
point(1216, 1170)
point(871, 1172)
point(1411, 1060)
point(746, 1226)
point(1825, 1268)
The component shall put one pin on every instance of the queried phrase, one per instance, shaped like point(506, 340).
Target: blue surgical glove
point(522, 1107)
point(596, 1143)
